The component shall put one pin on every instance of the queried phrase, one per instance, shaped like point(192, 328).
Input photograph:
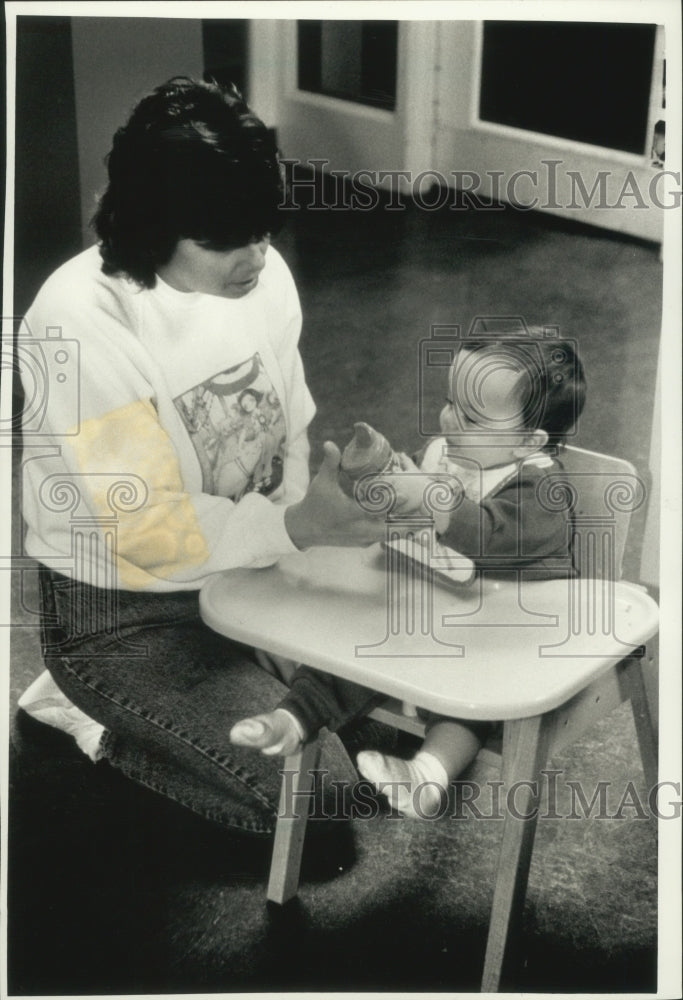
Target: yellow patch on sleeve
point(157, 532)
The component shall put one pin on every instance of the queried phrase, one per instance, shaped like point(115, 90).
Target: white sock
point(415, 787)
point(274, 733)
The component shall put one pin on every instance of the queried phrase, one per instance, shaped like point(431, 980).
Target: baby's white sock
point(277, 732)
point(414, 787)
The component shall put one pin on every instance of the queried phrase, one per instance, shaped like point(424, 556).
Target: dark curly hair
point(554, 383)
point(192, 162)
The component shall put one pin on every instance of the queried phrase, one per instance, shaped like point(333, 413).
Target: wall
point(76, 81)
point(115, 62)
point(46, 193)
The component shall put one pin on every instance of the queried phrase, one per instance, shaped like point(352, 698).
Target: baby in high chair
point(511, 400)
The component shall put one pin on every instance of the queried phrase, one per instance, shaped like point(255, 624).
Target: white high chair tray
point(495, 649)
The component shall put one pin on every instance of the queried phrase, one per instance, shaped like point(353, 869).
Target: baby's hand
point(415, 492)
point(410, 485)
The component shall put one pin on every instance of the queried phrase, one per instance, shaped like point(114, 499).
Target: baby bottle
point(367, 453)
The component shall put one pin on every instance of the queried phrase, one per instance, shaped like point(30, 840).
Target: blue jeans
point(168, 689)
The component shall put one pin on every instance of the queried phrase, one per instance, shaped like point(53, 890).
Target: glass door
point(353, 60)
point(561, 117)
point(349, 96)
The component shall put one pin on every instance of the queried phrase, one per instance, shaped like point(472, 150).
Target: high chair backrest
point(602, 492)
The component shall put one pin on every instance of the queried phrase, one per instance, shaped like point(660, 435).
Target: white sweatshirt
point(164, 431)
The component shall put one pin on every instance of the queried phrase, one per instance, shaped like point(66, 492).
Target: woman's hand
point(327, 516)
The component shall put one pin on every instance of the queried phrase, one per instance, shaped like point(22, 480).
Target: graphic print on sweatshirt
point(237, 426)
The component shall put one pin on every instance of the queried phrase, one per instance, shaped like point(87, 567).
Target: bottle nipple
point(367, 452)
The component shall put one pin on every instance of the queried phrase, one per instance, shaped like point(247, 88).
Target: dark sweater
point(511, 528)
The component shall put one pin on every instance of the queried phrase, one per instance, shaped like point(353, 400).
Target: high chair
point(548, 658)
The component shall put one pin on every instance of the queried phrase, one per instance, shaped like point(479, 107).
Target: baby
point(512, 399)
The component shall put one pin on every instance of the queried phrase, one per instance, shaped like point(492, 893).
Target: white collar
point(477, 482)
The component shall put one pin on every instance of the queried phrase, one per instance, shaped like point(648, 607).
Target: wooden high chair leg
point(295, 804)
point(646, 730)
point(525, 752)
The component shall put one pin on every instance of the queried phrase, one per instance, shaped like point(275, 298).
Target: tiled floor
point(114, 891)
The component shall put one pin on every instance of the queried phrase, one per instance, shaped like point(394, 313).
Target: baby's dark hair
point(192, 162)
point(553, 378)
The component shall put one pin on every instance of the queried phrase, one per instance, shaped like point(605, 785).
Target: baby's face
point(482, 418)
